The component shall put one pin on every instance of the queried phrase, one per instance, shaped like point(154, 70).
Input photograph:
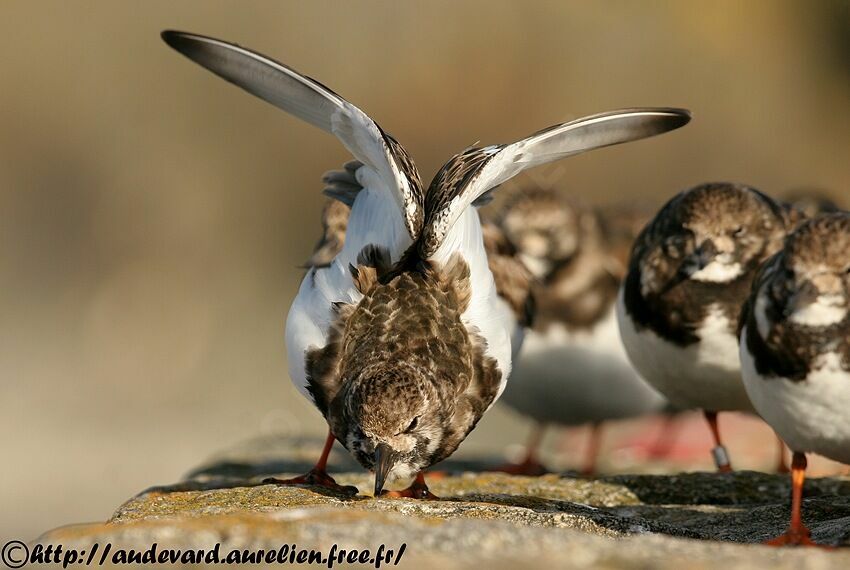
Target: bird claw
point(314, 478)
point(795, 537)
point(415, 491)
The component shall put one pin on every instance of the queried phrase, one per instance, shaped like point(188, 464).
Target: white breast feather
point(812, 415)
point(703, 375)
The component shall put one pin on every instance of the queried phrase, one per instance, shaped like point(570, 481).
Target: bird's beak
point(701, 257)
point(823, 289)
point(385, 458)
point(694, 263)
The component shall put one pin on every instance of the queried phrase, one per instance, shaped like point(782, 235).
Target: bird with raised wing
point(401, 340)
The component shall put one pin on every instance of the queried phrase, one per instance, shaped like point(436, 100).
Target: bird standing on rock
point(795, 349)
point(401, 341)
point(689, 274)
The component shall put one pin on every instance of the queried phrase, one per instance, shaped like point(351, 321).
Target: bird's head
point(545, 230)
point(391, 421)
point(714, 233)
point(813, 274)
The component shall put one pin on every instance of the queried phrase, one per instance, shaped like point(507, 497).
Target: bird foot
point(416, 490)
point(795, 537)
point(530, 467)
point(314, 478)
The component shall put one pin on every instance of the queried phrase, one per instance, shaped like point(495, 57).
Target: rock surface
point(693, 520)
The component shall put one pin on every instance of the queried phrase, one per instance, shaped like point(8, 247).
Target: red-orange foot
point(794, 537)
point(417, 490)
point(529, 468)
point(315, 478)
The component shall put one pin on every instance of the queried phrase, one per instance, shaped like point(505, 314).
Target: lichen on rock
point(625, 521)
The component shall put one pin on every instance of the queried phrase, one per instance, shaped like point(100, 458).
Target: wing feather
point(472, 173)
point(316, 104)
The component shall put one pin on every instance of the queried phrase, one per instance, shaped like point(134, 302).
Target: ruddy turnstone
point(795, 349)
point(401, 341)
point(689, 274)
point(572, 369)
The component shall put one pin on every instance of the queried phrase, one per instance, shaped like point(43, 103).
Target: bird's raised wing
point(472, 173)
point(314, 103)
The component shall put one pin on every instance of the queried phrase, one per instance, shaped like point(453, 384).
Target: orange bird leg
point(721, 456)
point(530, 465)
point(593, 446)
point(417, 490)
point(797, 533)
point(318, 475)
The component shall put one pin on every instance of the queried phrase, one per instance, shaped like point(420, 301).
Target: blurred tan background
point(152, 216)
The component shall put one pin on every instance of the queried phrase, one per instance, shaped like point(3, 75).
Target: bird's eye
point(739, 231)
point(412, 425)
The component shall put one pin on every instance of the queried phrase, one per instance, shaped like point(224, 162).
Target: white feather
point(577, 377)
point(824, 311)
point(703, 375)
point(812, 415)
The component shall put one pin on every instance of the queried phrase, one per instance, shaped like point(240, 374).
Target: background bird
point(689, 274)
point(572, 369)
point(795, 349)
point(402, 342)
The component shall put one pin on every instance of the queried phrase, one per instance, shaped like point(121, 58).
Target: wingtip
point(675, 117)
point(179, 40)
point(685, 114)
point(170, 36)
point(684, 117)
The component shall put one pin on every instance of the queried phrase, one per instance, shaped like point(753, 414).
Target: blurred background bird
point(572, 369)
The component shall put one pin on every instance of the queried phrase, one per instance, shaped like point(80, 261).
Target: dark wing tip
point(671, 117)
point(175, 38)
point(679, 117)
point(187, 42)
point(663, 119)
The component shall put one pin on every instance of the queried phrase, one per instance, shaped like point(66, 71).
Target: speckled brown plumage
point(334, 223)
point(414, 200)
point(403, 352)
point(450, 182)
point(575, 264)
point(815, 260)
point(514, 281)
